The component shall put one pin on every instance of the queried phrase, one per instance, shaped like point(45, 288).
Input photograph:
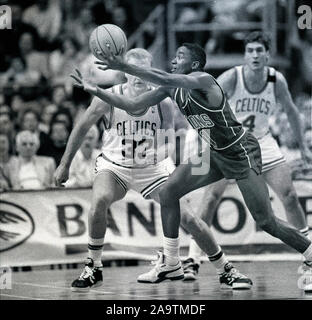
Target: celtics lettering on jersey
point(128, 138)
point(253, 109)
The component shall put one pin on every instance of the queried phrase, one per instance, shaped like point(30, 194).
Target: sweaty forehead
point(255, 45)
point(183, 51)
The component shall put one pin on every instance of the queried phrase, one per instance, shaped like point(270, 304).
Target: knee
point(267, 224)
point(100, 204)
point(290, 198)
point(192, 224)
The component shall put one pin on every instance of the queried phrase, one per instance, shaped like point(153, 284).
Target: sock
point(95, 247)
point(171, 250)
point(219, 261)
point(308, 253)
point(195, 252)
point(305, 232)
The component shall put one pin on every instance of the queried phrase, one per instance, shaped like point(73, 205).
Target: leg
point(211, 199)
point(105, 191)
point(279, 179)
point(181, 182)
point(207, 210)
point(256, 196)
point(200, 231)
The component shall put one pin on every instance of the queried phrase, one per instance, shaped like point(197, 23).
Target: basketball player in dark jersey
point(234, 153)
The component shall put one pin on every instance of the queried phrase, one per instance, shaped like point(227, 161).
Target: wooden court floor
point(272, 280)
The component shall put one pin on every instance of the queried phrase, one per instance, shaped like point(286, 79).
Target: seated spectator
point(6, 163)
point(63, 62)
point(46, 117)
point(7, 127)
point(46, 17)
point(31, 171)
point(63, 115)
point(35, 61)
point(81, 171)
point(30, 121)
point(58, 134)
point(80, 28)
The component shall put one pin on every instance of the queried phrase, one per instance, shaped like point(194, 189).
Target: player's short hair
point(140, 54)
point(258, 36)
point(197, 53)
point(27, 133)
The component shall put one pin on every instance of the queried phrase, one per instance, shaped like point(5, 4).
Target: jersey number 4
point(249, 123)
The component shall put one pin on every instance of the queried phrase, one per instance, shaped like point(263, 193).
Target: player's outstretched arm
point(93, 113)
point(120, 101)
point(196, 80)
point(284, 98)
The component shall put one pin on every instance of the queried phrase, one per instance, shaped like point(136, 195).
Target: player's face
point(136, 83)
point(256, 56)
point(182, 63)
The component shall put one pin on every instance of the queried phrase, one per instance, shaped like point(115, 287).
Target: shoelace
point(234, 273)
point(86, 273)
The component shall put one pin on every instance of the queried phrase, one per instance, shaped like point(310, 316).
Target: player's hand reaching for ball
point(83, 83)
point(109, 60)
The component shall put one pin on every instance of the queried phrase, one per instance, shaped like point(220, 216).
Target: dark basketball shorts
point(236, 161)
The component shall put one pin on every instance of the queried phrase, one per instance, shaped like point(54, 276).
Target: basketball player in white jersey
point(253, 90)
point(127, 162)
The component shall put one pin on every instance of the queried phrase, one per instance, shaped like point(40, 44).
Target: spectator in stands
point(63, 61)
point(81, 172)
point(6, 163)
point(46, 117)
point(30, 120)
point(7, 127)
point(31, 171)
point(35, 61)
point(63, 115)
point(58, 134)
point(46, 17)
point(81, 28)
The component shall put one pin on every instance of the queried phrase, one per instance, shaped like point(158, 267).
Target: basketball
point(107, 34)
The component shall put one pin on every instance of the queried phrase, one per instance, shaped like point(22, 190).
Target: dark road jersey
point(217, 126)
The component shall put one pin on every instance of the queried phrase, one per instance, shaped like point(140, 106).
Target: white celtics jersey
point(253, 109)
point(128, 139)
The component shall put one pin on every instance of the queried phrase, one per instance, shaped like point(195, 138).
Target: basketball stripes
point(149, 189)
point(112, 39)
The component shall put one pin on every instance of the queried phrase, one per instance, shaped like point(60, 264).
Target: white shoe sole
point(236, 286)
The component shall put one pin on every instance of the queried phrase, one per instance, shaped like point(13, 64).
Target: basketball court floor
point(276, 280)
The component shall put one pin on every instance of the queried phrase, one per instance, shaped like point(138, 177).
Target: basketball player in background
point(128, 162)
point(253, 90)
point(234, 153)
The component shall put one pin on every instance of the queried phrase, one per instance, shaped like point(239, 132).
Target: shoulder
point(44, 159)
point(228, 78)
point(281, 83)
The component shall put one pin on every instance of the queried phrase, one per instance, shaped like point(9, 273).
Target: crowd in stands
point(39, 105)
